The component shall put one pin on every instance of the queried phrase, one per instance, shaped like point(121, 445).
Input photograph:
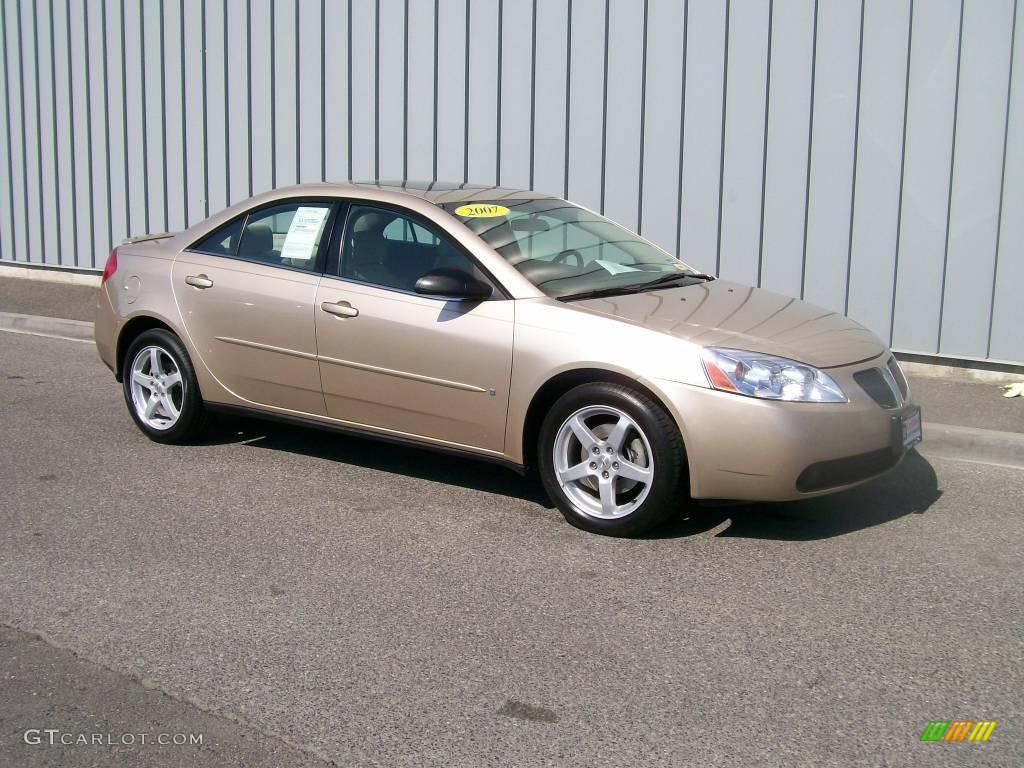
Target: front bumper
point(743, 448)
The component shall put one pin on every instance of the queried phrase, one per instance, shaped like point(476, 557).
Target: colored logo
point(481, 211)
point(958, 730)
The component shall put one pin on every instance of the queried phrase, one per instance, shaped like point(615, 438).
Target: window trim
point(336, 254)
point(335, 204)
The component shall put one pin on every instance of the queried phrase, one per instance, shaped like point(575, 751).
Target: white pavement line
point(45, 335)
point(37, 325)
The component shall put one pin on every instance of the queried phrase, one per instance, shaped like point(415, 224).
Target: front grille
point(878, 387)
point(852, 469)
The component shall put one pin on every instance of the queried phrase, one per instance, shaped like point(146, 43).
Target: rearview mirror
point(453, 283)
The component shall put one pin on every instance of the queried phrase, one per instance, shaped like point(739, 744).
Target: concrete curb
point(50, 274)
point(943, 440)
point(76, 330)
point(987, 446)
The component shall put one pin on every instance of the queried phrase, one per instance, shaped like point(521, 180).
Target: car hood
point(726, 314)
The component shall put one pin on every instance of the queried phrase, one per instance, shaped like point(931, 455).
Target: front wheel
point(160, 388)
point(612, 460)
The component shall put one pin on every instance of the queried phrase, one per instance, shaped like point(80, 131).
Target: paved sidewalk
point(978, 405)
point(38, 297)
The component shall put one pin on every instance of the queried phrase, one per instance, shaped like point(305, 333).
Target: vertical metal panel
point(789, 106)
point(8, 249)
point(744, 139)
point(392, 88)
point(585, 102)
point(977, 171)
point(926, 177)
point(27, 107)
point(284, 91)
point(49, 244)
point(622, 170)
point(1007, 316)
point(420, 117)
point(364, 138)
point(451, 90)
point(703, 146)
point(481, 138)
point(879, 156)
point(172, 126)
point(310, 77)
point(832, 157)
point(549, 98)
point(516, 90)
point(194, 125)
point(237, 103)
point(98, 164)
point(81, 160)
point(661, 123)
point(115, 117)
point(260, 76)
point(153, 115)
point(336, 120)
point(216, 112)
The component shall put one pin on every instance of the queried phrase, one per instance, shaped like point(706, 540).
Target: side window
point(285, 235)
point(223, 241)
point(410, 232)
point(385, 248)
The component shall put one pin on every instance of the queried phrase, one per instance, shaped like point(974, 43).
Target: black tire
point(667, 493)
point(193, 417)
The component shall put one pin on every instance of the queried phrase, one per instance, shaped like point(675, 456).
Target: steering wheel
point(563, 257)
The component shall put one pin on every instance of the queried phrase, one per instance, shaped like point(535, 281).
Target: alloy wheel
point(603, 462)
point(158, 391)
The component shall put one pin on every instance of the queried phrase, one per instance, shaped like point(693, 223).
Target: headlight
point(769, 377)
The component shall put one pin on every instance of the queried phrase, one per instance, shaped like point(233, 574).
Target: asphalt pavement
point(325, 599)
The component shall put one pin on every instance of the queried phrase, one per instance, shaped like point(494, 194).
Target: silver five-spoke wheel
point(603, 462)
point(157, 389)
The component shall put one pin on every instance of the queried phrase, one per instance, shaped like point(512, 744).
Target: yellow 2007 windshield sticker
point(481, 211)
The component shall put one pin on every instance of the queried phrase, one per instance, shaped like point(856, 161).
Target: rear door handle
point(199, 281)
point(341, 308)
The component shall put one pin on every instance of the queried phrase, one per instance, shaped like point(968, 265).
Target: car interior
point(387, 249)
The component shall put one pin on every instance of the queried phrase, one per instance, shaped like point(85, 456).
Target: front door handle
point(341, 308)
point(199, 281)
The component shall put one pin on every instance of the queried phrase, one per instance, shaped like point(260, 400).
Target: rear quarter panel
point(141, 286)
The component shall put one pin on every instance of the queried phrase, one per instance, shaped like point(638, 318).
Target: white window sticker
point(301, 241)
point(614, 268)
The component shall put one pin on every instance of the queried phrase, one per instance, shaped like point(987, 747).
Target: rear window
point(223, 241)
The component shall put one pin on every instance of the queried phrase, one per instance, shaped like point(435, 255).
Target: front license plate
point(911, 423)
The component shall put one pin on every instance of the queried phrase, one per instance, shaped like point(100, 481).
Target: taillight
point(110, 267)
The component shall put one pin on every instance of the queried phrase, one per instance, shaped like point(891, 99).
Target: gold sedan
point(504, 325)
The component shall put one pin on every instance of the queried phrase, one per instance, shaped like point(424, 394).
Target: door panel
point(253, 328)
point(420, 366)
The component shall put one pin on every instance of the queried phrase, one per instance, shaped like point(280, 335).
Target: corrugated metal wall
point(865, 154)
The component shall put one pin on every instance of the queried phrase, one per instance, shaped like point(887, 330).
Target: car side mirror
point(453, 283)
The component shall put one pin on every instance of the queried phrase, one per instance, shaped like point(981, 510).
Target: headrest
point(259, 238)
point(371, 221)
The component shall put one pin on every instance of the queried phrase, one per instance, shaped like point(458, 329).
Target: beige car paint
point(417, 365)
point(254, 329)
point(411, 366)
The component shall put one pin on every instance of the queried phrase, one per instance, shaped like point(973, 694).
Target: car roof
point(440, 192)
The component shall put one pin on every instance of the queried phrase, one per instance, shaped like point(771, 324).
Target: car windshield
point(566, 250)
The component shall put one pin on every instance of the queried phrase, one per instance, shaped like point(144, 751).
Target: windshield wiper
point(664, 280)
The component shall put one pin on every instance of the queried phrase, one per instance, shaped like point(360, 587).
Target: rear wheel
point(612, 460)
point(160, 388)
